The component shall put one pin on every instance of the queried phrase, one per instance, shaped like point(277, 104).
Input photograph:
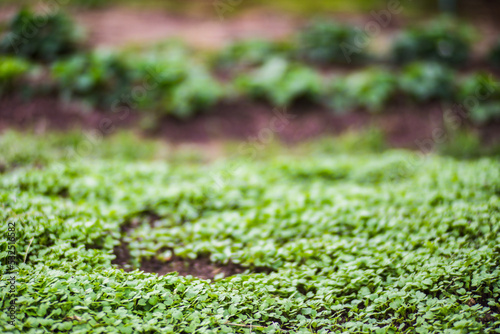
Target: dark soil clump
point(201, 267)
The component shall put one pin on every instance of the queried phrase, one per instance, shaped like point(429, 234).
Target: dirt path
point(121, 26)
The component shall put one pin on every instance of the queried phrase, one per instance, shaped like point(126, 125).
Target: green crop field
point(320, 239)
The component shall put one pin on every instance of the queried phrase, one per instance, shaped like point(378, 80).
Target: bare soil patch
point(122, 256)
point(122, 26)
point(201, 267)
point(44, 113)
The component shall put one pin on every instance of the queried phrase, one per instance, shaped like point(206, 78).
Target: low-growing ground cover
point(317, 238)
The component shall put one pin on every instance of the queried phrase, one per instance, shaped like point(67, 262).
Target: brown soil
point(43, 113)
point(122, 256)
point(121, 26)
point(201, 267)
point(404, 124)
point(147, 215)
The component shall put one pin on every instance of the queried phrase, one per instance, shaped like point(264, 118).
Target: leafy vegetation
point(441, 42)
point(480, 95)
point(168, 79)
point(467, 144)
point(99, 78)
point(248, 53)
point(159, 83)
point(370, 89)
point(12, 70)
point(428, 81)
point(281, 82)
point(44, 37)
point(328, 42)
point(175, 85)
point(368, 243)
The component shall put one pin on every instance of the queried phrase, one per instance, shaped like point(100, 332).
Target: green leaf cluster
point(327, 42)
point(281, 82)
point(442, 41)
point(153, 82)
point(12, 72)
point(42, 37)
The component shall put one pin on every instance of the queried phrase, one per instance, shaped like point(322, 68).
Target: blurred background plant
point(12, 72)
point(371, 89)
point(480, 95)
point(446, 41)
point(428, 81)
point(326, 42)
point(41, 37)
point(281, 82)
point(98, 78)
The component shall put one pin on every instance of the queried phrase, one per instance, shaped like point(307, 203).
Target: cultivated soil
point(403, 123)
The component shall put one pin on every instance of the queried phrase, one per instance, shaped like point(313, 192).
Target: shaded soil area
point(45, 113)
point(200, 267)
point(122, 256)
point(403, 123)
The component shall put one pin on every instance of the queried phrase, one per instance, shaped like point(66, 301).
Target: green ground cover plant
point(329, 241)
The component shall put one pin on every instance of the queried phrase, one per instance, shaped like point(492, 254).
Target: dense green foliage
point(248, 53)
point(281, 82)
point(480, 95)
point(328, 42)
point(428, 81)
point(175, 84)
point(44, 37)
point(371, 89)
point(365, 243)
point(159, 83)
point(439, 42)
point(100, 78)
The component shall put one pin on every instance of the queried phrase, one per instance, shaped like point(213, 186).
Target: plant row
point(168, 83)
point(50, 36)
